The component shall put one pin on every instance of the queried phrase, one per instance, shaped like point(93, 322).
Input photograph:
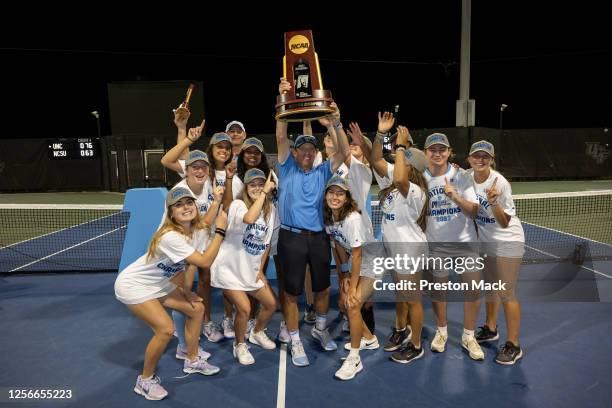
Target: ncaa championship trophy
point(183, 109)
point(307, 99)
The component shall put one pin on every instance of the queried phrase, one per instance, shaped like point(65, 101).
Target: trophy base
point(298, 110)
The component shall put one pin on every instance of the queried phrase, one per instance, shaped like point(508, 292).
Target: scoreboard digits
point(73, 148)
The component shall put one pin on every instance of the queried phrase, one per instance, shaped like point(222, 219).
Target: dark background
point(550, 62)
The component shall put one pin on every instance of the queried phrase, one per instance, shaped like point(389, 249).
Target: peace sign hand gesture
point(492, 193)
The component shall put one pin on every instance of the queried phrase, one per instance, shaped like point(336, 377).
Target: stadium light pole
point(103, 157)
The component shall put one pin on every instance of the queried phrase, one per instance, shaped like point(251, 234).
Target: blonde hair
point(267, 207)
point(171, 225)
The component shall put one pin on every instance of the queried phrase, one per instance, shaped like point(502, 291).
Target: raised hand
point(284, 86)
point(270, 185)
point(195, 133)
point(355, 133)
point(385, 122)
point(402, 135)
point(230, 168)
point(449, 189)
point(221, 220)
point(181, 117)
point(218, 193)
point(492, 193)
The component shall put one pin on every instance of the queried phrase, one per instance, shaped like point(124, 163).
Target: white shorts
point(131, 293)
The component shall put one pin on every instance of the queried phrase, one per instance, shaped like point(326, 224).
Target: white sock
point(443, 330)
point(321, 322)
point(409, 327)
point(354, 352)
point(295, 335)
point(467, 334)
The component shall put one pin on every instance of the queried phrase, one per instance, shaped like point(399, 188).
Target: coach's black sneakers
point(310, 316)
point(407, 354)
point(397, 339)
point(485, 334)
point(509, 354)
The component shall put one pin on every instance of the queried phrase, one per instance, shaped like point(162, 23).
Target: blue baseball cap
point(252, 141)
point(303, 139)
point(416, 158)
point(337, 181)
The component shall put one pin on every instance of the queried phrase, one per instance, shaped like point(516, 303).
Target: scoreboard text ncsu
point(73, 148)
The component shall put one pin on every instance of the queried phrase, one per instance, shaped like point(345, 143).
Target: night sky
point(551, 65)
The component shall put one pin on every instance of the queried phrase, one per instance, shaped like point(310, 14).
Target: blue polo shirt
point(301, 194)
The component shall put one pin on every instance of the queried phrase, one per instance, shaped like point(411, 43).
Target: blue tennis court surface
point(69, 332)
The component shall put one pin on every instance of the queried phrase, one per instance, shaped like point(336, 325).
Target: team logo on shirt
point(338, 236)
point(253, 239)
point(203, 208)
point(388, 206)
point(171, 270)
point(440, 206)
point(482, 217)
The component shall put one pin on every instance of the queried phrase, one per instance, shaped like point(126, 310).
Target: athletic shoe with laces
point(397, 339)
point(298, 355)
point(310, 315)
point(212, 332)
point(182, 354)
point(485, 334)
point(151, 389)
point(228, 328)
point(242, 354)
point(249, 327)
point(407, 354)
point(324, 338)
point(509, 354)
point(472, 346)
point(438, 343)
point(261, 339)
point(283, 333)
point(366, 344)
point(200, 366)
point(350, 368)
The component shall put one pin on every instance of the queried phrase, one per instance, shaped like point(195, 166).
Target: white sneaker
point(371, 344)
point(211, 332)
point(298, 355)
point(228, 328)
point(472, 346)
point(200, 366)
point(261, 339)
point(439, 342)
point(242, 353)
point(249, 327)
point(351, 366)
point(324, 338)
point(283, 333)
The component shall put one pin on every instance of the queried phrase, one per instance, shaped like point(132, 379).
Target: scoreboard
point(73, 148)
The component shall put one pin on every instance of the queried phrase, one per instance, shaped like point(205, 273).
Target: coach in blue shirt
point(302, 239)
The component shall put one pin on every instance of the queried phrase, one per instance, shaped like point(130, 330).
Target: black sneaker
point(407, 354)
point(397, 339)
point(310, 316)
point(367, 314)
point(485, 334)
point(509, 354)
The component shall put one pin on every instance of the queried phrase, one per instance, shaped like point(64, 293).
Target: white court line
point(565, 233)
point(66, 249)
point(282, 371)
point(558, 257)
point(58, 231)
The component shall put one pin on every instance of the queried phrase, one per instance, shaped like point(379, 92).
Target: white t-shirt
point(489, 229)
point(149, 279)
point(350, 232)
point(239, 259)
point(238, 185)
point(400, 214)
point(446, 222)
point(202, 199)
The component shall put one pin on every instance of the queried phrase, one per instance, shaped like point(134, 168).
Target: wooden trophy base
point(299, 110)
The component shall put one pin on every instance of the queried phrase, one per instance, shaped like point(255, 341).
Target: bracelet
point(220, 232)
point(338, 125)
point(190, 138)
point(229, 178)
point(400, 146)
point(345, 268)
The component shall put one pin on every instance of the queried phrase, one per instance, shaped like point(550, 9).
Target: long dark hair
point(211, 171)
point(242, 169)
point(416, 177)
point(349, 206)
